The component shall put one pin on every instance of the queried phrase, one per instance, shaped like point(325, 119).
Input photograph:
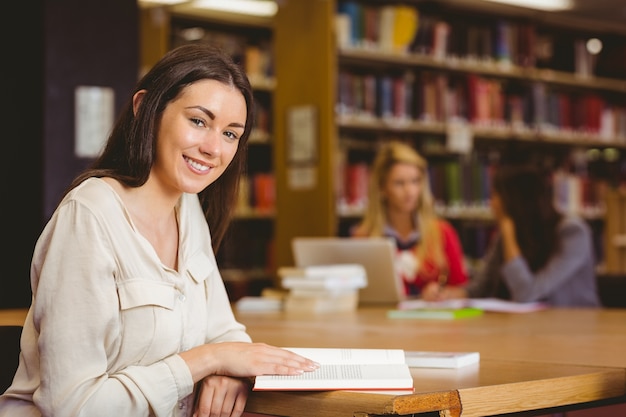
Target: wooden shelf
point(310, 75)
point(381, 58)
point(568, 138)
point(187, 10)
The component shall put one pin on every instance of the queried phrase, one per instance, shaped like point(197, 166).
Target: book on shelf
point(436, 359)
point(435, 313)
point(345, 369)
point(264, 191)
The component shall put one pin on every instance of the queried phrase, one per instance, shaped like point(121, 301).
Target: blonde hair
point(425, 218)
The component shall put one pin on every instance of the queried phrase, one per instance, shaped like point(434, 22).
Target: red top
point(406, 264)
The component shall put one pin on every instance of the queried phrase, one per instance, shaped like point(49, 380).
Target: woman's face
point(198, 136)
point(402, 188)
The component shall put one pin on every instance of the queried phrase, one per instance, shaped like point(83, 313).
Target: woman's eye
point(231, 135)
point(197, 122)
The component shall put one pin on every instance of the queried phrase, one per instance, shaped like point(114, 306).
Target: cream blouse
point(108, 318)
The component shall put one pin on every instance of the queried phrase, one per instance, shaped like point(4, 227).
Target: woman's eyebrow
point(204, 110)
point(211, 116)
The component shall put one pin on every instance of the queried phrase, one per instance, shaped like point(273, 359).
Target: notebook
point(375, 254)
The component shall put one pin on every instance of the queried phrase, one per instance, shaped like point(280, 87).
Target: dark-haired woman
point(129, 315)
point(537, 254)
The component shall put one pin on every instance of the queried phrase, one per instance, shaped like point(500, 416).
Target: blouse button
point(181, 297)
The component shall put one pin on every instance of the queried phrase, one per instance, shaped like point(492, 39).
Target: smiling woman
point(129, 314)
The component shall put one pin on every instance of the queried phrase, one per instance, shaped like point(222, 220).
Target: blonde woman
point(401, 206)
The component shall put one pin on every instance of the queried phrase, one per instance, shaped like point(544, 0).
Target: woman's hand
point(435, 292)
point(506, 226)
point(221, 396)
point(252, 359)
point(511, 249)
point(432, 291)
point(453, 292)
point(242, 359)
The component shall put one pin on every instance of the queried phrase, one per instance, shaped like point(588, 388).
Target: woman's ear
point(137, 98)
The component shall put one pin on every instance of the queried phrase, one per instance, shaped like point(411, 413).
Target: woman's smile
point(196, 165)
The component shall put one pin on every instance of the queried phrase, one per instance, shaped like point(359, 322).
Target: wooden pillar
point(305, 72)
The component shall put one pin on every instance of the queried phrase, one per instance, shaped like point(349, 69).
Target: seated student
point(401, 206)
point(129, 315)
point(537, 253)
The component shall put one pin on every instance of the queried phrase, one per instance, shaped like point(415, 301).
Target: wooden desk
point(13, 317)
point(533, 361)
point(554, 358)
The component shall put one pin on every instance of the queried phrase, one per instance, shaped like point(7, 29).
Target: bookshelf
point(524, 86)
point(246, 255)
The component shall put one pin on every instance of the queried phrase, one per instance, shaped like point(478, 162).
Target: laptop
point(375, 254)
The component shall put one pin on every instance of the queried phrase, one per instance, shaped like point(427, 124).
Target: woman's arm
point(456, 276)
point(484, 282)
point(510, 247)
point(76, 327)
point(86, 366)
point(575, 247)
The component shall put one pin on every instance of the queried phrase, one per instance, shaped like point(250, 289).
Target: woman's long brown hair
point(526, 195)
point(130, 150)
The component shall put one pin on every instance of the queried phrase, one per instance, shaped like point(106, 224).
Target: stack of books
point(322, 288)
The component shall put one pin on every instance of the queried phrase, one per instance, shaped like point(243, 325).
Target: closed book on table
point(329, 302)
point(337, 282)
point(438, 314)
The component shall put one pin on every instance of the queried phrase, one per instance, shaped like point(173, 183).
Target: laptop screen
point(375, 254)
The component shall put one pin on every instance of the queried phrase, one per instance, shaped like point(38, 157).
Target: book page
point(345, 356)
point(342, 377)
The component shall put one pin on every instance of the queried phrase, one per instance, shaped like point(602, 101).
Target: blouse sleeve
point(526, 287)
point(457, 274)
point(75, 323)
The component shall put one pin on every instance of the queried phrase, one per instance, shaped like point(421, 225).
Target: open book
point(345, 369)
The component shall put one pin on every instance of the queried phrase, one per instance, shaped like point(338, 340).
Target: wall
point(50, 47)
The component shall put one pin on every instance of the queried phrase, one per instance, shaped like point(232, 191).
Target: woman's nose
point(212, 144)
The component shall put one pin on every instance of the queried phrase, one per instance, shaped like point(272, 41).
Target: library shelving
point(468, 86)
